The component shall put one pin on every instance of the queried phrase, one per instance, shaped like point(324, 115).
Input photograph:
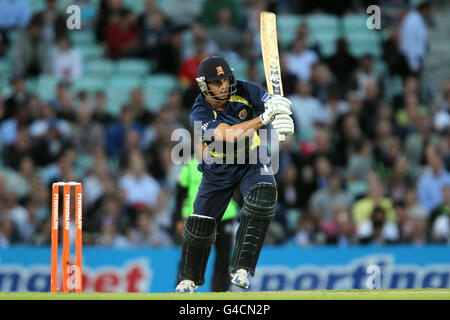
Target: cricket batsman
point(231, 111)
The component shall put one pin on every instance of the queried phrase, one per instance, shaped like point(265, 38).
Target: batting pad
point(198, 238)
point(257, 213)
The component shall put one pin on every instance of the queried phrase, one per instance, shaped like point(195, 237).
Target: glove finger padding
point(276, 105)
point(283, 124)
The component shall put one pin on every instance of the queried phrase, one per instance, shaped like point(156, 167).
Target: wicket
point(66, 267)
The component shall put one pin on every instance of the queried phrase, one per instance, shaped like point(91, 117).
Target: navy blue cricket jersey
point(246, 104)
point(220, 180)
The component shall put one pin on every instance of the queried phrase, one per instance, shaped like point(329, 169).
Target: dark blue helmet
point(215, 68)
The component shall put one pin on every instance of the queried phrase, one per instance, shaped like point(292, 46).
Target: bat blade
point(269, 47)
point(271, 58)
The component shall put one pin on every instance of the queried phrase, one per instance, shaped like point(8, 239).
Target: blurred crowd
point(362, 168)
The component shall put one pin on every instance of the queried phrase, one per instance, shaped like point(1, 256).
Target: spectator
point(303, 32)
point(335, 107)
point(377, 230)
point(364, 207)
point(14, 14)
point(322, 81)
point(148, 233)
point(414, 36)
point(411, 87)
point(87, 134)
point(227, 37)
point(433, 179)
point(300, 59)
point(116, 131)
point(411, 217)
point(154, 34)
point(199, 35)
point(111, 218)
point(139, 107)
point(441, 119)
point(305, 235)
point(306, 110)
point(18, 215)
point(19, 149)
point(417, 141)
point(48, 147)
point(100, 113)
point(108, 11)
point(366, 75)
point(347, 134)
point(122, 36)
point(181, 13)
point(288, 78)
point(67, 110)
point(31, 52)
point(7, 231)
point(62, 88)
point(67, 61)
point(324, 200)
point(20, 96)
point(212, 7)
point(360, 162)
point(408, 116)
point(339, 230)
point(109, 237)
point(170, 53)
point(289, 189)
point(139, 186)
point(54, 21)
point(438, 220)
point(399, 179)
point(392, 55)
point(188, 70)
point(342, 63)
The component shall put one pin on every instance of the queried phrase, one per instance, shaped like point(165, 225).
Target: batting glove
point(283, 124)
point(276, 105)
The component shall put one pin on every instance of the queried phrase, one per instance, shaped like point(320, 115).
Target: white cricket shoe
point(240, 278)
point(186, 286)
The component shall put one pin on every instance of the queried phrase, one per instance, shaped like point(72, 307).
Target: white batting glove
point(276, 105)
point(283, 124)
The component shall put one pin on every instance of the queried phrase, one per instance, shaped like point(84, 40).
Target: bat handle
point(281, 137)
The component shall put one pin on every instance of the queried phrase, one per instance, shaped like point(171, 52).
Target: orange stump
point(79, 234)
point(55, 203)
point(67, 268)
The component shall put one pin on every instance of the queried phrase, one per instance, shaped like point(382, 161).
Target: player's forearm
point(237, 132)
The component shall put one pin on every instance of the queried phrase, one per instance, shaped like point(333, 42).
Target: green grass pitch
point(392, 294)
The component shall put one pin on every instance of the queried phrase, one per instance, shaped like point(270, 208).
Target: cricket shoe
point(186, 286)
point(240, 278)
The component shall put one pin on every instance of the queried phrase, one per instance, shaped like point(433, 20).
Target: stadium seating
point(156, 88)
point(82, 37)
point(90, 51)
point(44, 86)
point(133, 67)
point(322, 23)
point(287, 25)
point(90, 84)
point(101, 67)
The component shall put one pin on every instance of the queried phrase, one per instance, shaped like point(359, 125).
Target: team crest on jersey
point(243, 114)
point(219, 70)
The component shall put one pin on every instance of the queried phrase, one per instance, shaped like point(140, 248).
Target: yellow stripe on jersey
point(239, 99)
point(255, 142)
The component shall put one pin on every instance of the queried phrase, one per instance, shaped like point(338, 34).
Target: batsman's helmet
point(215, 68)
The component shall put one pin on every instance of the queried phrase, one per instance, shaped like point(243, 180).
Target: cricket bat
point(271, 59)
